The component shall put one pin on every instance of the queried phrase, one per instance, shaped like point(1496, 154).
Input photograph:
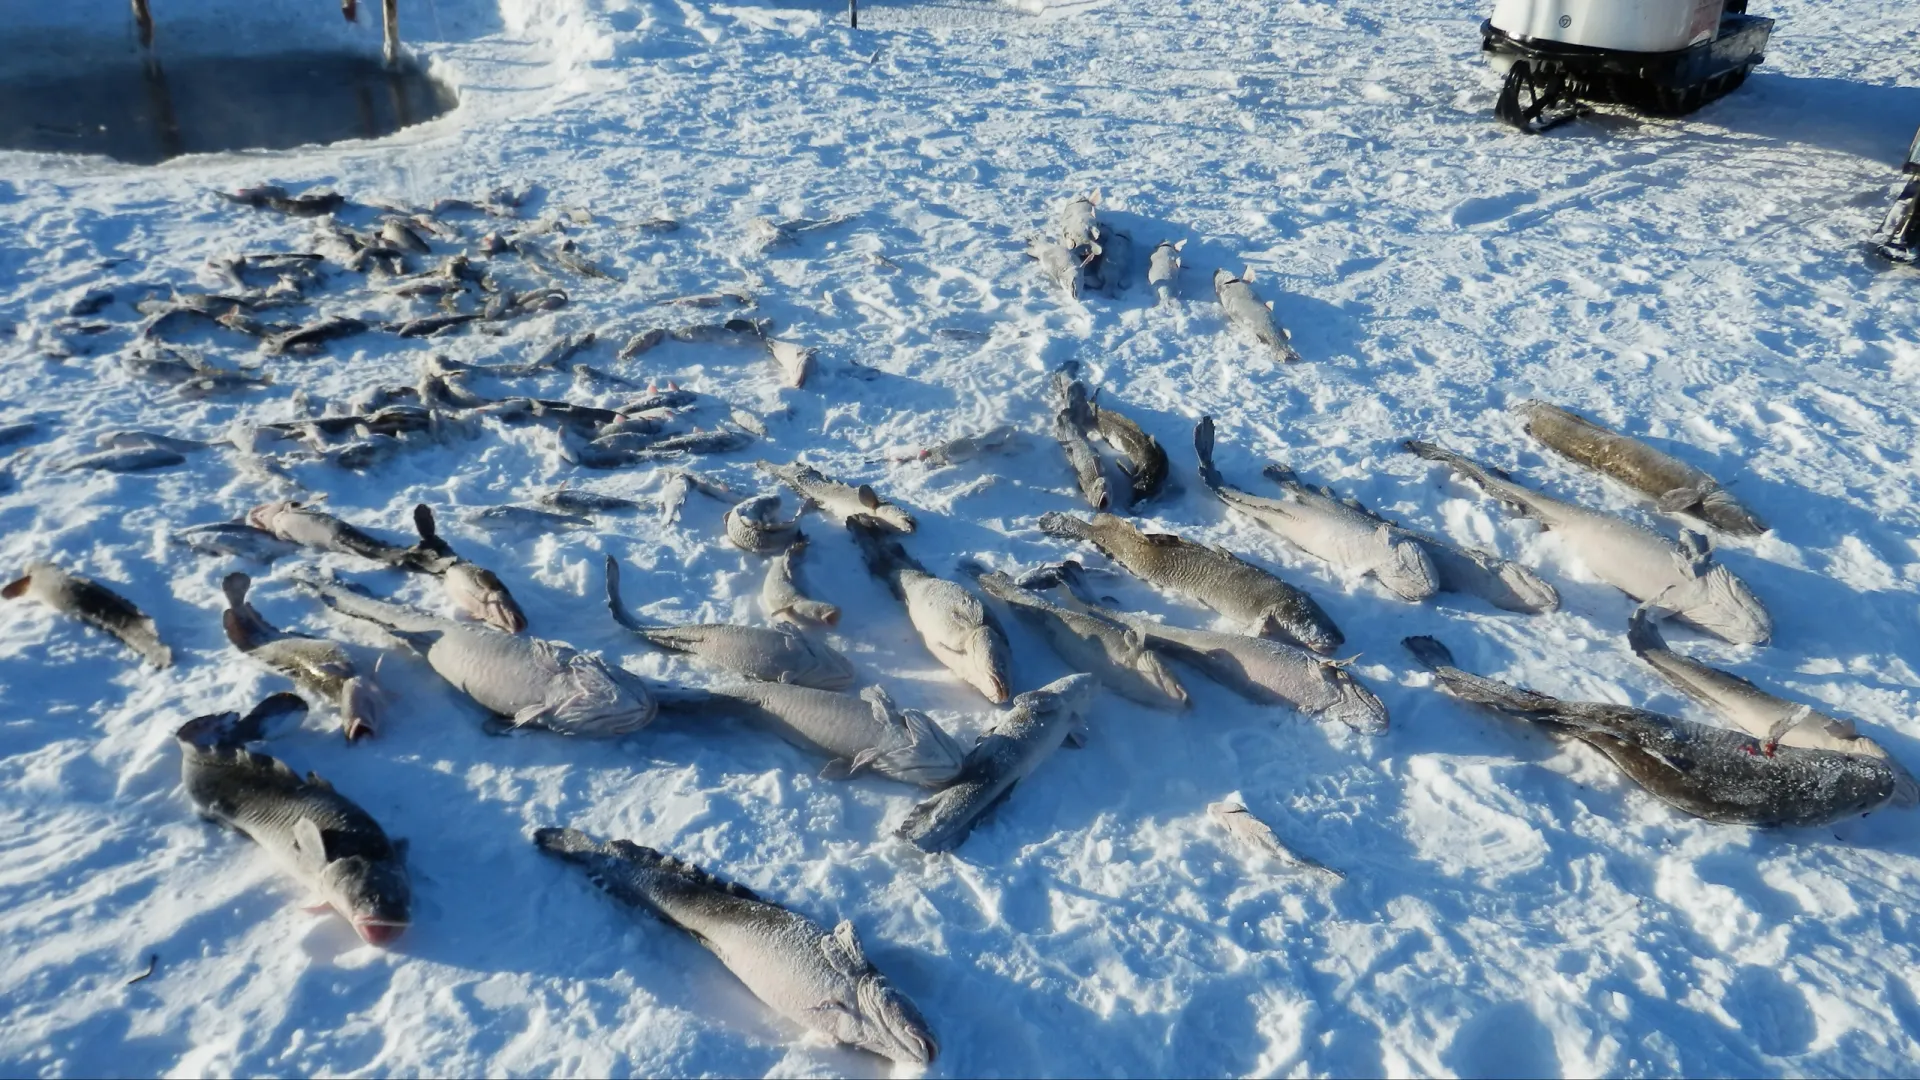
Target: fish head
point(374, 895)
point(1408, 570)
point(1069, 696)
point(482, 594)
point(1356, 706)
point(885, 1022)
point(1318, 634)
point(1722, 605)
point(263, 516)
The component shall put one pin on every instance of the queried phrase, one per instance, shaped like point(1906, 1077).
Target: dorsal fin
point(647, 856)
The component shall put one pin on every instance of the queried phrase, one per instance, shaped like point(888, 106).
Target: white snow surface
point(1513, 905)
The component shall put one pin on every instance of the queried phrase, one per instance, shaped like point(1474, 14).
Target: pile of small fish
point(1786, 765)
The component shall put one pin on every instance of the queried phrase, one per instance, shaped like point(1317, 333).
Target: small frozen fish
point(474, 589)
point(1163, 269)
point(236, 539)
point(575, 501)
point(1246, 313)
point(1019, 740)
point(841, 501)
point(303, 524)
point(526, 517)
point(954, 625)
point(94, 604)
point(125, 461)
point(321, 668)
point(794, 361)
point(1109, 651)
point(1258, 839)
point(867, 733)
point(782, 597)
point(754, 526)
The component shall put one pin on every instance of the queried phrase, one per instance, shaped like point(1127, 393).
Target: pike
point(1680, 577)
point(326, 841)
point(819, 980)
point(1673, 485)
point(1212, 576)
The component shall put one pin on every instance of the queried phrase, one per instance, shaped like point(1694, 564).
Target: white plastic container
point(1621, 25)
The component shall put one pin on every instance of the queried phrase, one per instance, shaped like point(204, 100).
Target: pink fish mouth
point(358, 729)
point(380, 931)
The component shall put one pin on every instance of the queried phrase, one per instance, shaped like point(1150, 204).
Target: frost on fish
point(820, 980)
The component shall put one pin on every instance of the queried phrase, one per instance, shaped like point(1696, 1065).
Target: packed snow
point(1512, 905)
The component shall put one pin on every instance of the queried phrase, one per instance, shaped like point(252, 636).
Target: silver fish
point(576, 501)
point(956, 627)
point(1775, 721)
point(1245, 312)
point(1109, 651)
point(1079, 220)
point(1713, 773)
point(999, 439)
point(474, 589)
point(1064, 266)
point(1673, 485)
point(752, 526)
point(1023, 736)
point(841, 501)
point(1163, 269)
point(1213, 576)
point(321, 668)
point(1350, 540)
point(236, 539)
point(526, 517)
point(1073, 422)
point(94, 604)
point(327, 843)
point(141, 440)
point(794, 361)
point(1682, 578)
point(782, 597)
point(770, 654)
point(861, 733)
point(822, 981)
point(530, 682)
point(1143, 460)
point(125, 461)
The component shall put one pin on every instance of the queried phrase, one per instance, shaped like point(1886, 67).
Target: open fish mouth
point(358, 729)
point(380, 931)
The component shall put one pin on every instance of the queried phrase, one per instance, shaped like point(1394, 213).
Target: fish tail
point(1643, 633)
point(1203, 449)
point(1480, 690)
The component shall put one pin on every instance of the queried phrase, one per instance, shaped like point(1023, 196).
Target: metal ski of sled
point(1551, 83)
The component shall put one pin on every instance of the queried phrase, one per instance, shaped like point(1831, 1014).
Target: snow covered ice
point(1511, 906)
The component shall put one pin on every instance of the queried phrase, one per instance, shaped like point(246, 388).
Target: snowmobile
point(1899, 236)
point(1666, 57)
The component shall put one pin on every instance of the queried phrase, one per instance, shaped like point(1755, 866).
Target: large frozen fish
point(1775, 721)
point(782, 597)
point(533, 683)
point(1675, 486)
point(1350, 540)
point(1213, 576)
point(321, 668)
point(1682, 578)
point(1246, 312)
point(842, 501)
point(136, 459)
point(819, 980)
point(1259, 669)
point(94, 604)
point(1709, 772)
point(770, 654)
point(1109, 651)
point(754, 526)
point(303, 524)
point(861, 733)
point(327, 843)
point(1073, 424)
point(1005, 437)
point(473, 589)
point(957, 628)
point(1019, 740)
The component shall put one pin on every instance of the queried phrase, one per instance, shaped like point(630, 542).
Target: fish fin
point(1678, 500)
point(423, 523)
point(17, 588)
point(402, 847)
point(275, 707)
point(841, 768)
point(1697, 551)
point(309, 845)
point(1094, 197)
point(1270, 308)
point(1075, 738)
point(315, 780)
point(418, 640)
point(1246, 274)
point(849, 943)
point(1429, 651)
point(614, 604)
point(1180, 244)
point(868, 498)
point(1643, 631)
